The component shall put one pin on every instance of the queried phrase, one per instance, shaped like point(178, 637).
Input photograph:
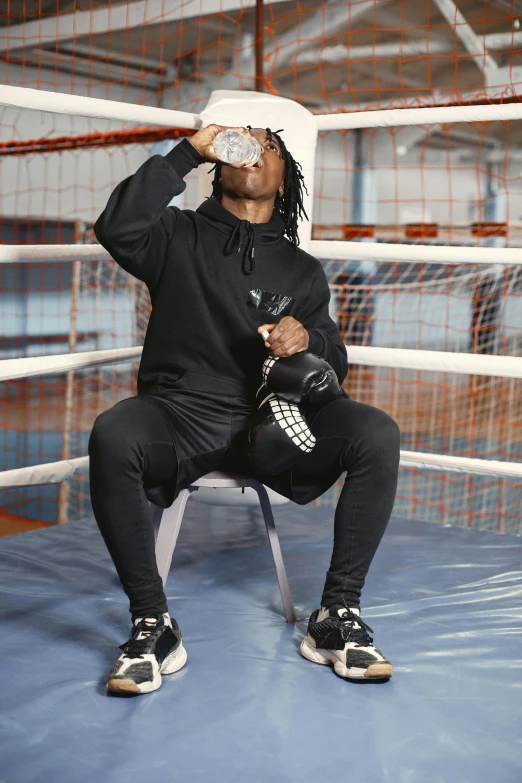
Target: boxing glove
point(301, 378)
point(277, 435)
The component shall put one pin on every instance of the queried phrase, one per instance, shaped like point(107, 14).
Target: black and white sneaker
point(155, 648)
point(338, 636)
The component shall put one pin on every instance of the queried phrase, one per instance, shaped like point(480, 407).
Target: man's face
point(261, 181)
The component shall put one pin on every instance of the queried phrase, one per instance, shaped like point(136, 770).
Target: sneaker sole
point(376, 671)
point(172, 663)
point(175, 661)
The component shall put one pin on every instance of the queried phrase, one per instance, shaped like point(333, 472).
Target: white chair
point(167, 522)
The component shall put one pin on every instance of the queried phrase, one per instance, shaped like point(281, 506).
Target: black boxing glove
point(301, 378)
point(278, 431)
point(277, 435)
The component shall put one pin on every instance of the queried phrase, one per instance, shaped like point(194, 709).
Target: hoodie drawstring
point(242, 238)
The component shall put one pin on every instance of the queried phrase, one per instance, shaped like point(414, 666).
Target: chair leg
point(157, 514)
point(167, 523)
point(273, 538)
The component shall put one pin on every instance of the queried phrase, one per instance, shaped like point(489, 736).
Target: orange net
point(449, 185)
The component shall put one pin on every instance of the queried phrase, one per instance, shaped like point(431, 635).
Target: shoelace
point(360, 636)
point(137, 648)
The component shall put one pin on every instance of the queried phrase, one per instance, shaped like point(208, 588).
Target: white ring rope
point(15, 254)
point(393, 118)
point(431, 254)
point(484, 467)
point(436, 361)
point(63, 362)
point(395, 358)
point(51, 473)
point(61, 103)
point(56, 472)
point(80, 105)
point(321, 248)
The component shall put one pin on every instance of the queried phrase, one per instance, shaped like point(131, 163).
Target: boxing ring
point(444, 601)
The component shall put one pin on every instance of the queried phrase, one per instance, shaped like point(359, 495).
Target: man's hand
point(286, 338)
point(202, 141)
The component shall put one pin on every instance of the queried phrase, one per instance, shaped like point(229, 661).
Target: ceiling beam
point(329, 21)
point(499, 42)
point(466, 34)
point(332, 20)
point(112, 72)
point(326, 22)
point(113, 56)
point(329, 55)
point(125, 16)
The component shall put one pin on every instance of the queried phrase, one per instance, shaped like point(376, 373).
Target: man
point(218, 276)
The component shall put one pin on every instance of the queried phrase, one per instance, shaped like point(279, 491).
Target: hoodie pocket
point(276, 304)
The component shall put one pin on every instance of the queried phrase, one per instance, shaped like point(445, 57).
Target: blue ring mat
point(445, 605)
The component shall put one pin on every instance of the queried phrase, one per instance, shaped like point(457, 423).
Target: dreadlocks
point(290, 204)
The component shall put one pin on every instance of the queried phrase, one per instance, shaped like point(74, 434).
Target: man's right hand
point(202, 142)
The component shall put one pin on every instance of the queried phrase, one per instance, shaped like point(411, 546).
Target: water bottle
point(231, 146)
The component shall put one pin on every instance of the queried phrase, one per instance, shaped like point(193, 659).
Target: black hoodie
point(213, 279)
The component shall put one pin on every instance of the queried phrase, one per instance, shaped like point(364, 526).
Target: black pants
point(132, 446)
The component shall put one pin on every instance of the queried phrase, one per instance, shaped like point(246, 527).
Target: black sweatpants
point(131, 446)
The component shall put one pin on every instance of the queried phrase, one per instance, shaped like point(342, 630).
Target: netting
point(446, 188)
point(457, 185)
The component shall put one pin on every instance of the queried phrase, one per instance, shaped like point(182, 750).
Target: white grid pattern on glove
point(289, 417)
point(267, 366)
